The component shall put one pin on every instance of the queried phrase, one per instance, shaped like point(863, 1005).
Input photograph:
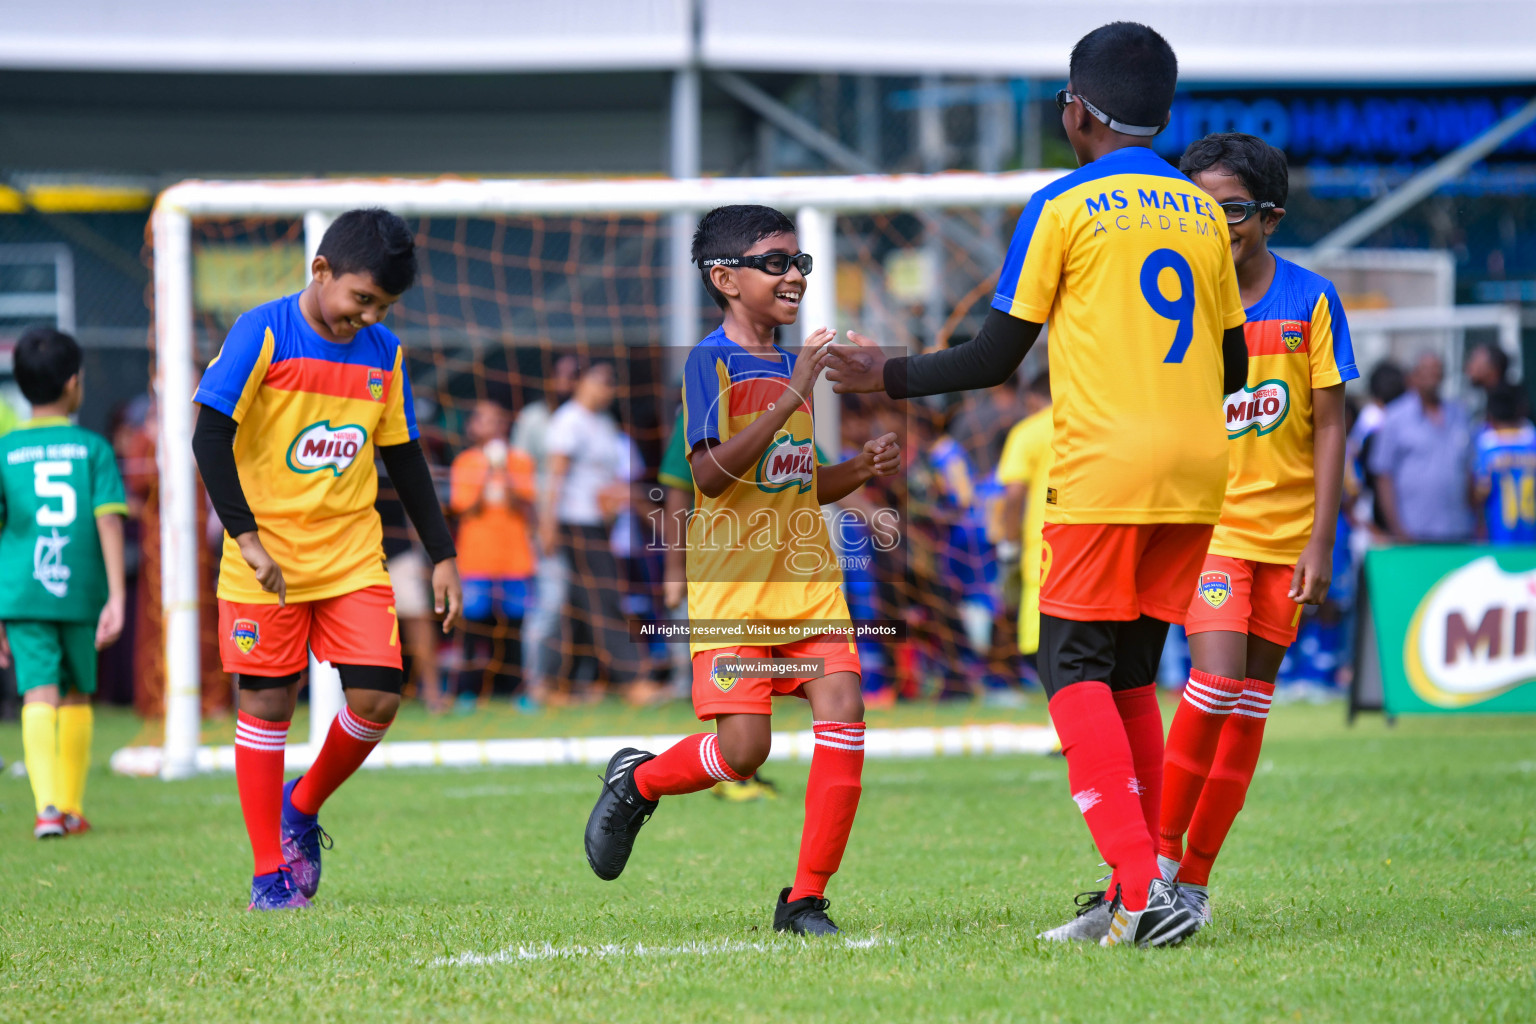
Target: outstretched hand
point(810, 362)
point(884, 454)
point(857, 368)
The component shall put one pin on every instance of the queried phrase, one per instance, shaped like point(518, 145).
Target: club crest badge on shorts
point(1215, 587)
point(723, 672)
point(246, 634)
point(376, 384)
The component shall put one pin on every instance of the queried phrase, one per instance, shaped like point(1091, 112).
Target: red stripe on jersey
point(757, 393)
point(322, 377)
point(1277, 337)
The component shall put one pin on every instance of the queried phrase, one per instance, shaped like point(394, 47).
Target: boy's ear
point(1273, 220)
point(320, 266)
point(724, 280)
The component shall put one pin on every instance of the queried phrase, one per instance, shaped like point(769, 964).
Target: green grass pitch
point(1378, 874)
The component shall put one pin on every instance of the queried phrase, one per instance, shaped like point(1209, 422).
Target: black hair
point(373, 242)
point(1497, 356)
point(1388, 382)
point(1041, 384)
point(1126, 70)
point(1506, 404)
point(44, 361)
point(731, 231)
point(1254, 162)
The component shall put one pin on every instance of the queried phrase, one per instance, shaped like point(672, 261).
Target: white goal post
point(815, 201)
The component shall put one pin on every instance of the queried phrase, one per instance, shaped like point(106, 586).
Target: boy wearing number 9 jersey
point(1129, 261)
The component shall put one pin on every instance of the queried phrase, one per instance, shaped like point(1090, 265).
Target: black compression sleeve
point(213, 446)
point(1234, 365)
point(985, 361)
point(408, 471)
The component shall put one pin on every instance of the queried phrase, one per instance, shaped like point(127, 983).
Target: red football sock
point(1102, 775)
point(685, 767)
point(1197, 725)
point(349, 742)
point(831, 799)
point(1143, 722)
point(259, 777)
point(1236, 756)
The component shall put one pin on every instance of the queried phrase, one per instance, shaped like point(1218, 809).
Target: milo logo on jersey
point(322, 446)
point(1260, 408)
point(376, 383)
point(788, 462)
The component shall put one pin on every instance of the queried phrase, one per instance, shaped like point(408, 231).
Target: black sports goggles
point(1238, 212)
point(1065, 96)
point(775, 263)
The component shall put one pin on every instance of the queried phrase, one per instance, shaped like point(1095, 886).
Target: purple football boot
point(276, 891)
point(303, 839)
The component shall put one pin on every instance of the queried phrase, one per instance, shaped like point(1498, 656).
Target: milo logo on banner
point(1472, 636)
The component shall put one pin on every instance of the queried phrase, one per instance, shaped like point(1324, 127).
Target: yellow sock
point(40, 744)
point(75, 721)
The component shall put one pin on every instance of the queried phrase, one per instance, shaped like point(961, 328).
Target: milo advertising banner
point(1454, 628)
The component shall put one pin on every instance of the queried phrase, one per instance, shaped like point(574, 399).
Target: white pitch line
point(545, 951)
point(920, 742)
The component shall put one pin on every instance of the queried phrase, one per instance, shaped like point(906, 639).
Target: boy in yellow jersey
point(1273, 549)
point(759, 555)
point(1130, 263)
point(1025, 469)
point(304, 390)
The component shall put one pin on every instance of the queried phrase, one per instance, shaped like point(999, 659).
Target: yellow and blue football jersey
point(760, 550)
point(1131, 265)
point(311, 412)
point(1298, 340)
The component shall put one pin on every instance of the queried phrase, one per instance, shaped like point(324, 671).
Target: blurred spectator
point(1421, 455)
point(1487, 368)
point(1505, 482)
point(410, 576)
point(491, 490)
point(587, 485)
point(541, 627)
point(1387, 384)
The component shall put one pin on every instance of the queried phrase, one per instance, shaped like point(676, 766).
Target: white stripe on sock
point(840, 746)
point(358, 729)
point(1212, 694)
point(1251, 714)
point(714, 764)
point(1210, 709)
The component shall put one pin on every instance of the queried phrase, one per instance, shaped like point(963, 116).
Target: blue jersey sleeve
point(1026, 286)
point(231, 379)
point(703, 408)
point(1343, 345)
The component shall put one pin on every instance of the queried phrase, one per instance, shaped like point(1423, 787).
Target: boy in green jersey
point(61, 573)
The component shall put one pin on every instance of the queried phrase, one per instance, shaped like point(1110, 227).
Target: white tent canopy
point(1243, 40)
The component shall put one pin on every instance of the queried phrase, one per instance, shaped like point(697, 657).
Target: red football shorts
point(358, 628)
point(1245, 597)
point(1118, 572)
point(719, 690)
